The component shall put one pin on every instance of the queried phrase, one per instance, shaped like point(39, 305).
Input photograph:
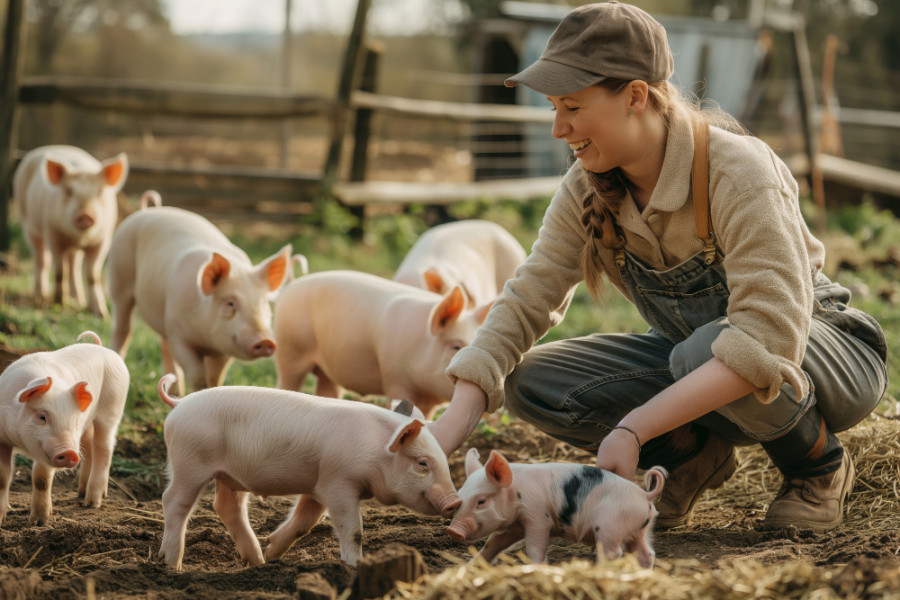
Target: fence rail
point(181, 99)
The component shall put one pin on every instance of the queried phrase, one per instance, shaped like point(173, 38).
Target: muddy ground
point(110, 552)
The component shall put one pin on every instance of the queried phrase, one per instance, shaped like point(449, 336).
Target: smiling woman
point(750, 343)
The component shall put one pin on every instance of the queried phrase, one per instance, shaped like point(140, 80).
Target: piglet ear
point(214, 272)
point(433, 281)
point(54, 170)
point(275, 268)
point(482, 311)
point(406, 435)
point(472, 462)
point(35, 389)
point(82, 395)
point(498, 470)
point(448, 310)
point(115, 170)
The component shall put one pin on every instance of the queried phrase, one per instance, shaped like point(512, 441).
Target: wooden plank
point(463, 111)
point(396, 192)
point(867, 117)
point(183, 99)
point(226, 171)
point(859, 175)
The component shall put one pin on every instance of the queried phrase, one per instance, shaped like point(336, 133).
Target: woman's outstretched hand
point(619, 452)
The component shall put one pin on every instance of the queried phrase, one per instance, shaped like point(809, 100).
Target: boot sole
point(818, 526)
point(716, 478)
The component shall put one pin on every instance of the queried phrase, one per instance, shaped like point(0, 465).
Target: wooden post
point(342, 102)
point(10, 73)
point(803, 72)
point(286, 68)
point(362, 130)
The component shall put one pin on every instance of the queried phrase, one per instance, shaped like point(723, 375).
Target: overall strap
point(700, 188)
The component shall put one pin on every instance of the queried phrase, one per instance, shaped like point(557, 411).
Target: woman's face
point(594, 122)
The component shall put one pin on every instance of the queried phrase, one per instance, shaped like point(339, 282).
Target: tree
point(54, 19)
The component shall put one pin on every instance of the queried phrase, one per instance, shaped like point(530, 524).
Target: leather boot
point(815, 503)
point(709, 469)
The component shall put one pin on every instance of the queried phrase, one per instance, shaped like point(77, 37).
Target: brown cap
point(599, 41)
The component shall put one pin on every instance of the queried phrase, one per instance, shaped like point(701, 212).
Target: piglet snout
point(65, 459)
point(263, 349)
point(84, 221)
point(449, 505)
point(456, 532)
point(444, 503)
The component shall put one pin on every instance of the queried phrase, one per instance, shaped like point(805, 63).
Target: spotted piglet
point(581, 503)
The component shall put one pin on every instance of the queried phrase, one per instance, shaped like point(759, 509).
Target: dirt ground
point(110, 552)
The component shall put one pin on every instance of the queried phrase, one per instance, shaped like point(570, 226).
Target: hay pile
point(874, 505)
point(624, 579)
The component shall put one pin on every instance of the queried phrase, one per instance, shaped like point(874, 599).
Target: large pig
point(274, 443)
point(198, 291)
point(61, 408)
point(67, 203)
point(475, 254)
point(371, 335)
point(581, 503)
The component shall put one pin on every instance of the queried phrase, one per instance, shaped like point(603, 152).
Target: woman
point(700, 228)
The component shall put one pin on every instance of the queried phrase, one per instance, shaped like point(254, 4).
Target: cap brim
point(554, 79)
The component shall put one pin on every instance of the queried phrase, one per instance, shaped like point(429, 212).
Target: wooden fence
point(304, 188)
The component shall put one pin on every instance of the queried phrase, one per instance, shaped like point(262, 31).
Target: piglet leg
point(41, 268)
point(306, 514)
point(87, 459)
point(42, 482)
point(101, 451)
point(343, 508)
point(536, 539)
point(500, 541)
point(178, 502)
point(216, 365)
point(231, 506)
point(6, 471)
point(93, 265)
point(640, 546)
point(75, 262)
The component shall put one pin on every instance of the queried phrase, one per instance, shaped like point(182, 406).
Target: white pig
point(371, 335)
point(475, 254)
point(581, 503)
point(276, 443)
point(198, 291)
point(51, 405)
point(67, 202)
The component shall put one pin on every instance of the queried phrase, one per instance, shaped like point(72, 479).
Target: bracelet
point(632, 432)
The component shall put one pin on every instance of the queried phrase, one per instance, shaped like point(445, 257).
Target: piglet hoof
point(274, 548)
point(94, 498)
point(95, 503)
point(175, 565)
point(39, 520)
point(252, 559)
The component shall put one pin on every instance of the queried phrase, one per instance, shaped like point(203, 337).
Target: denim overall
point(578, 389)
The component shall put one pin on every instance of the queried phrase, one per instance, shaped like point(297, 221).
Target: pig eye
point(41, 417)
point(423, 463)
point(230, 308)
point(481, 502)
